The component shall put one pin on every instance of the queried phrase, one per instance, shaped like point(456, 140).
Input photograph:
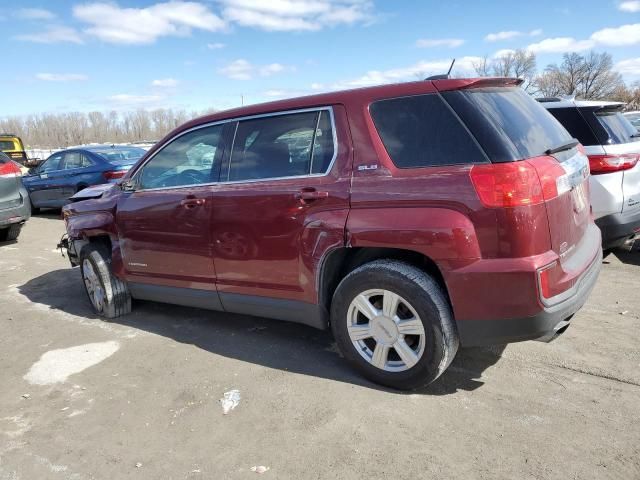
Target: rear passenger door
point(282, 202)
point(75, 174)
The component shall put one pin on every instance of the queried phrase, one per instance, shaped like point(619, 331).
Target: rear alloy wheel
point(108, 294)
point(392, 321)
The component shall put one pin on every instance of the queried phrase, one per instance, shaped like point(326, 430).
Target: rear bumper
point(18, 214)
point(618, 227)
point(541, 326)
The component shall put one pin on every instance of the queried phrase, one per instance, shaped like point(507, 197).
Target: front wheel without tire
point(393, 323)
point(108, 294)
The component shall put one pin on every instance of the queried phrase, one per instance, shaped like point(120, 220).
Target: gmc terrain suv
point(613, 146)
point(409, 218)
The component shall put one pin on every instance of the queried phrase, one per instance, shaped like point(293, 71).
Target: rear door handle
point(192, 202)
point(311, 195)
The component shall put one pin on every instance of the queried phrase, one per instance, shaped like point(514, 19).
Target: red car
point(409, 218)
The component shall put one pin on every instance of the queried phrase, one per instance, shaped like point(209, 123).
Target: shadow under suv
point(410, 219)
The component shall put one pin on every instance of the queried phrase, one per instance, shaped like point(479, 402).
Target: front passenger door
point(164, 224)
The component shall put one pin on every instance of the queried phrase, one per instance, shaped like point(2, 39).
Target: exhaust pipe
point(558, 330)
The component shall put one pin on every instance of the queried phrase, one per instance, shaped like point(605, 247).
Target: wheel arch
point(341, 261)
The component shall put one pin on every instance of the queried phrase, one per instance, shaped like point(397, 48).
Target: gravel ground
point(139, 398)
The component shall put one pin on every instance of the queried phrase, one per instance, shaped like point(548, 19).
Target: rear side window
point(422, 131)
point(618, 128)
point(289, 145)
point(576, 125)
point(507, 122)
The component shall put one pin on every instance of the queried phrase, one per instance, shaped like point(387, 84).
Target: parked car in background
point(68, 171)
point(634, 118)
point(15, 209)
point(613, 147)
point(12, 146)
point(409, 218)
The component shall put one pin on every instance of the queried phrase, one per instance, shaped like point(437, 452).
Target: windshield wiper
point(635, 135)
point(562, 148)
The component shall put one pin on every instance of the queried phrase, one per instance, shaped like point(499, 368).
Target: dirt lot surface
point(139, 398)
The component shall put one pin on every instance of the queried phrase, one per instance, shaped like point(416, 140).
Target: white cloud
point(439, 42)
point(215, 46)
point(35, 14)
point(504, 52)
point(630, 67)
point(165, 83)
point(114, 24)
point(561, 45)
point(296, 15)
point(616, 37)
point(243, 70)
point(632, 6)
point(53, 34)
point(417, 71)
point(128, 100)
point(509, 34)
point(62, 77)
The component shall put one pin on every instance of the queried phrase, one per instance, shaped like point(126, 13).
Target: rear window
point(576, 125)
point(507, 122)
point(618, 128)
point(6, 145)
point(422, 131)
point(118, 154)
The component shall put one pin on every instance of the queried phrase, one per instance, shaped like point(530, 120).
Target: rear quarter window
point(507, 122)
point(618, 128)
point(422, 131)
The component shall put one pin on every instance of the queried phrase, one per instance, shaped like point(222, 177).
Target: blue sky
point(69, 55)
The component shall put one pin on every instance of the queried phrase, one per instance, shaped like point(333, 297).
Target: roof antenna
point(445, 76)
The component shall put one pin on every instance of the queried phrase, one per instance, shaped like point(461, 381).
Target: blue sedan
point(64, 173)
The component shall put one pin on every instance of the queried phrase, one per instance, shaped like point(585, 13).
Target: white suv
point(612, 144)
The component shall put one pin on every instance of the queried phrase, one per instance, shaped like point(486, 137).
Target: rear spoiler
point(467, 83)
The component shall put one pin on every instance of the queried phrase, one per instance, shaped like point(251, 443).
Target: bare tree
point(589, 77)
point(517, 63)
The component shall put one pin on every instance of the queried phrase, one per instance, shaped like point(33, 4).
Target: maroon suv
point(410, 218)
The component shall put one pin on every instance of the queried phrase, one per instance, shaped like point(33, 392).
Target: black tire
point(117, 299)
point(34, 210)
point(428, 300)
point(10, 234)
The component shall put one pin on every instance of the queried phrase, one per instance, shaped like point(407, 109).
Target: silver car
point(612, 144)
point(15, 208)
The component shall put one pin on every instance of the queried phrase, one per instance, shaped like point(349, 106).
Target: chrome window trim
point(334, 133)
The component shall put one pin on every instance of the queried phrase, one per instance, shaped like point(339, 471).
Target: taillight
point(113, 174)
point(517, 184)
point(10, 169)
point(612, 163)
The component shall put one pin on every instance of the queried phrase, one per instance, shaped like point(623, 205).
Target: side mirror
point(128, 185)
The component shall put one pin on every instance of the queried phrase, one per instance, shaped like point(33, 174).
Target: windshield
point(117, 154)
point(507, 122)
point(618, 128)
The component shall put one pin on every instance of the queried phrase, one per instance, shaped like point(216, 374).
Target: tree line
point(587, 77)
point(57, 130)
